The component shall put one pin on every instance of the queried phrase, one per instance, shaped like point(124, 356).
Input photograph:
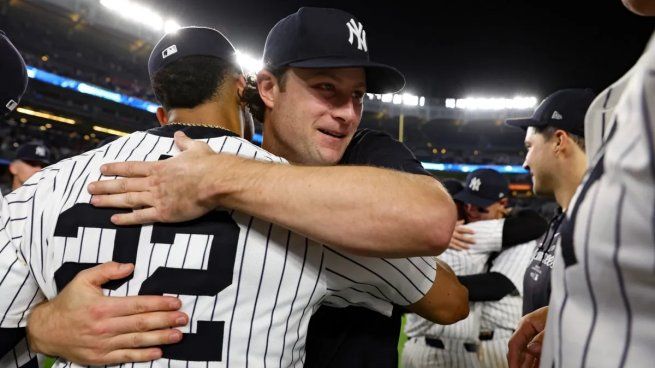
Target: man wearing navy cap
point(12, 74)
point(30, 159)
point(484, 195)
point(557, 162)
point(309, 97)
point(326, 145)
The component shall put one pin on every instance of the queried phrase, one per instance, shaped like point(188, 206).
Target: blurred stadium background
point(87, 63)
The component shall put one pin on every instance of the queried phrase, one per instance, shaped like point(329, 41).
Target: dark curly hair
point(251, 94)
point(190, 81)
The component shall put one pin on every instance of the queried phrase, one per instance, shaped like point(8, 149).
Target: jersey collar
point(193, 132)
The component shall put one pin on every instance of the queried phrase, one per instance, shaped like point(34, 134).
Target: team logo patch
point(475, 184)
point(356, 29)
point(11, 105)
point(169, 51)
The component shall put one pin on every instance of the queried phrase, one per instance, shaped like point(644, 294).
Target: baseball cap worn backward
point(564, 109)
point(13, 76)
point(327, 38)
point(483, 188)
point(190, 41)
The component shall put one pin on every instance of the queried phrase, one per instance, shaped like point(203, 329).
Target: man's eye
point(326, 86)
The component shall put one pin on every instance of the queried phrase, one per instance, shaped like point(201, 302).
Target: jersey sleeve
point(376, 283)
point(488, 236)
point(513, 262)
point(19, 290)
point(374, 148)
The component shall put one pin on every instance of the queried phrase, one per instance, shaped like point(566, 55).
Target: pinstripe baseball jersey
point(603, 292)
point(505, 313)
point(488, 237)
point(248, 286)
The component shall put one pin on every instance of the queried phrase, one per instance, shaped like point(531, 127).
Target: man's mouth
point(332, 133)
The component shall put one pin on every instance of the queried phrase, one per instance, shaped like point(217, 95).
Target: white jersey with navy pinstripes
point(248, 286)
point(503, 315)
point(506, 312)
point(603, 283)
point(488, 237)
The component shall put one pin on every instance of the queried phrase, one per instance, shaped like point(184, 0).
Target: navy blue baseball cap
point(35, 153)
point(453, 186)
point(190, 41)
point(564, 109)
point(12, 74)
point(483, 188)
point(327, 38)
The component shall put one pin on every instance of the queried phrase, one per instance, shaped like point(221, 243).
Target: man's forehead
point(531, 131)
point(356, 75)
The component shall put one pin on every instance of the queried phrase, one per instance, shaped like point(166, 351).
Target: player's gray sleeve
point(375, 283)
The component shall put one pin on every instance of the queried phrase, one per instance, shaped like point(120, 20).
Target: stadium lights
point(467, 168)
point(102, 129)
point(45, 115)
point(140, 14)
point(248, 63)
point(406, 99)
point(494, 103)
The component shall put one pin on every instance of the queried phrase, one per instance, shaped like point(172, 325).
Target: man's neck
point(569, 180)
point(207, 114)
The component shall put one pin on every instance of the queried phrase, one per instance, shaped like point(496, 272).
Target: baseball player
point(601, 308)
point(30, 159)
point(498, 318)
point(248, 286)
point(405, 228)
point(600, 311)
point(557, 161)
point(13, 75)
point(456, 345)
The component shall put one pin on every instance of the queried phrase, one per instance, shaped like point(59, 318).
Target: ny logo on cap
point(357, 29)
point(40, 151)
point(169, 51)
point(475, 184)
point(556, 116)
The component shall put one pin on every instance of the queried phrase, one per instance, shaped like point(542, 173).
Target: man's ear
point(13, 169)
point(267, 85)
point(561, 139)
point(162, 116)
point(241, 84)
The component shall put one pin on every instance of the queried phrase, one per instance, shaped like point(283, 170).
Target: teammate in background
point(600, 312)
point(432, 345)
point(13, 76)
point(405, 182)
point(557, 162)
point(30, 159)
